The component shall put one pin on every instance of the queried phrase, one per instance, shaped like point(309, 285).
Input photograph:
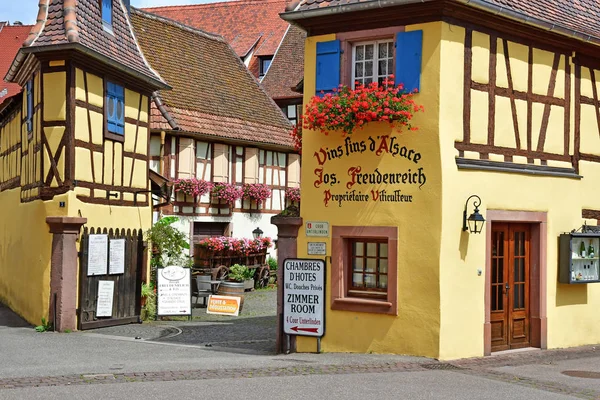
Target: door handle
point(507, 287)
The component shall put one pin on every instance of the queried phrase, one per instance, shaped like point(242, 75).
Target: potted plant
point(242, 274)
point(227, 192)
point(192, 187)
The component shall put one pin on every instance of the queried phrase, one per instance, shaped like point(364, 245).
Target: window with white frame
point(372, 61)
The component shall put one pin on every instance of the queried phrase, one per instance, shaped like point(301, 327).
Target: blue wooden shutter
point(409, 49)
point(328, 66)
point(29, 88)
point(107, 11)
point(115, 103)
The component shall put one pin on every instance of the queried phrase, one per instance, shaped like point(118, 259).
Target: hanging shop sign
point(174, 291)
point(304, 297)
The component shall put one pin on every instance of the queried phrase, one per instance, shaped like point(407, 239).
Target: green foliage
point(44, 327)
point(240, 273)
point(149, 293)
point(168, 244)
point(272, 263)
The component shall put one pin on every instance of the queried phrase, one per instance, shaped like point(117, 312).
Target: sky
point(26, 10)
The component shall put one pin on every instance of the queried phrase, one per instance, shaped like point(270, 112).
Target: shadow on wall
point(568, 295)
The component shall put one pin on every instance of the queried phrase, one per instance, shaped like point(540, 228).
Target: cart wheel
point(262, 278)
point(220, 273)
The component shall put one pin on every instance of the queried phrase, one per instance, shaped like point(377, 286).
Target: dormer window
point(106, 13)
point(265, 63)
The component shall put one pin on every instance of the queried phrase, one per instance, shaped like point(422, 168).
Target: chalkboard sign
point(174, 291)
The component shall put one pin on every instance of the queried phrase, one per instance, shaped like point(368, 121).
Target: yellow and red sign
point(223, 305)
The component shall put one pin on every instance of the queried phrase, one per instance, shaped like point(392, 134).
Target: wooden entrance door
point(509, 313)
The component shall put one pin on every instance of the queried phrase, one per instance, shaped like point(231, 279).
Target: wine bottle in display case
point(578, 261)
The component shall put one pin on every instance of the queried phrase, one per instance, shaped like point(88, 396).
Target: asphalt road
point(407, 385)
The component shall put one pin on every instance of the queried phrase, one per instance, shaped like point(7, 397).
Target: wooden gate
point(127, 285)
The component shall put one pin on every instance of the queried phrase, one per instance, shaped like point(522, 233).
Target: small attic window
point(106, 12)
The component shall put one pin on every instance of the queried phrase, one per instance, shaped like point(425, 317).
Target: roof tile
point(582, 16)
point(214, 94)
point(287, 68)
point(11, 40)
point(242, 23)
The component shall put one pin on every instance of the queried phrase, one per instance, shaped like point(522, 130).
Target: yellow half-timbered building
point(510, 93)
point(74, 143)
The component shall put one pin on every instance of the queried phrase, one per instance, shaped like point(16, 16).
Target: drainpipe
point(161, 165)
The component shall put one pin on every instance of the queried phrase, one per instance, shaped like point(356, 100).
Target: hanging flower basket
point(192, 187)
point(257, 192)
point(227, 192)
point(347, 109)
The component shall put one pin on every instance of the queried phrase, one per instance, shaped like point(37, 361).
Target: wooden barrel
point(227, 288)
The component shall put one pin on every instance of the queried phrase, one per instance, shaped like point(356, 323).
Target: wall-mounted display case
point(579, 258)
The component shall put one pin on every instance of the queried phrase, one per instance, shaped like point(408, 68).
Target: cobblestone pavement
point(252, 332)
point(480, 367)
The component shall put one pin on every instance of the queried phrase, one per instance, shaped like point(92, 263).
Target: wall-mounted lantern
point(475, 221)
point(257, 233)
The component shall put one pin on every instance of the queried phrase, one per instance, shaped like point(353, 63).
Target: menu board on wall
point(174, 291)
point(97, 254)
point(116, 263)
point(106, 291)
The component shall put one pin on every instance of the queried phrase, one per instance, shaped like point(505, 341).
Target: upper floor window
point(372, 61)
point(291, 113)
point(115, 108)
point(29, 117)
point(265, 63)
point(107, 12)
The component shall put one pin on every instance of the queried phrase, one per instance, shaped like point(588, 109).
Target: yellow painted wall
point(571, 315)
point(111, 167)
point(25, 266)
point(441, 270)
point(415, 329)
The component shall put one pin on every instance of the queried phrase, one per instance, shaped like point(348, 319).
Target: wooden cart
point(217, 264)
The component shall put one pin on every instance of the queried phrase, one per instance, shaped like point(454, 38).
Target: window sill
point(363, 305)
point(114, 136)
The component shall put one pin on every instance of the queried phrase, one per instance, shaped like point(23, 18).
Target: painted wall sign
point(174, 291)
point(394, 186)
point(97, 255)
point(304, 297)
point(106, 293)
point(223, 305)
point(116, 262)
point(317, 228)
point(317, 248)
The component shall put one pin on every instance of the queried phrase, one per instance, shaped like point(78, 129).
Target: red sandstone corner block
point(63, 273)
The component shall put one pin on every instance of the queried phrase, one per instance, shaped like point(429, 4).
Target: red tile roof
point(213, 93)
point(243, 23)
point(11, 40)
point(79, 22)
point(287, 68)
point(578, 16)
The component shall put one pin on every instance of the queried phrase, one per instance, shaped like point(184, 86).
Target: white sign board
point(106, 292)
point(304, 297)
point(116, 264)
point(174, 291)
point(317, 228)
point(97, 254)
point(317, 248)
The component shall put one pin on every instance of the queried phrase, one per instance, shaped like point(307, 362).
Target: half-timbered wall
point(109, 170)
point(517, 103)
point(217, 162)
point(519, 127)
